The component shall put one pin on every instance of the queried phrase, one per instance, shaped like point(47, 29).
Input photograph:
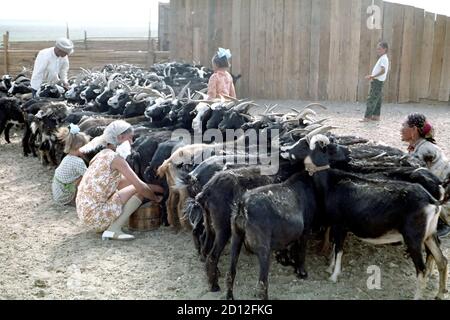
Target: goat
point(271, 218)
point(377, 212)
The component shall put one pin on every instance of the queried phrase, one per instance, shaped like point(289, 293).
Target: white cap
point(110, 134)
point(114, 129)
point(65, 45)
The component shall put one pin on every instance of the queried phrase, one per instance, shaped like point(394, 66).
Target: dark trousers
point(373, 107)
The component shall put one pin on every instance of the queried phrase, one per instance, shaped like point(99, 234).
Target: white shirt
point(49, 68)
point(383, 61)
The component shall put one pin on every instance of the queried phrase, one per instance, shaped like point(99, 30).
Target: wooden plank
point(296, 49)
point(278, 49)
point(188, 32)
point(227, 24)
point(314, 61)
point(211, 29)
point(324, 52)
point(269, 81)
point(334, 51)
point(406, 55)
point(304, 38)
point(351, 72)
point(419, 15)
point(245, 49)
point(341, 85)
point(6, 52)
point(438, 56)
point(196, 45)
point(236, 41)
point(182, 37)
point(364, 53)
point(444, 88)
point(427, 55)
point(174, 26)
point(287, 48)
point(393, 28)
point(253, 49)
point(260, 48)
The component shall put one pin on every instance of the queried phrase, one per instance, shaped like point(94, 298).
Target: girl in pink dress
point(221, 82)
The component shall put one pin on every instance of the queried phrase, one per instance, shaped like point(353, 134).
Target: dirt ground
point(46, 253)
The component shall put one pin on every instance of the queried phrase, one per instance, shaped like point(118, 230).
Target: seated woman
point(419, 133)
point(72, 167)
point(110, 191)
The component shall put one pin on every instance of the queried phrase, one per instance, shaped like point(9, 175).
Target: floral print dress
point(98, 203)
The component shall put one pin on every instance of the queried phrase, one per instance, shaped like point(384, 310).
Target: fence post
point(85, 40)
point(151, 57)
point(6, 53)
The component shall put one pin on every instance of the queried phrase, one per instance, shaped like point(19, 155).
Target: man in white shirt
point(52, 65)
point(378, 76)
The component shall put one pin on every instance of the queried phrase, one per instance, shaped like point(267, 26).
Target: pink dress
point(98, 203)
point(221, 83)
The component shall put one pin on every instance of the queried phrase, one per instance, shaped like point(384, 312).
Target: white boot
point(115, 229)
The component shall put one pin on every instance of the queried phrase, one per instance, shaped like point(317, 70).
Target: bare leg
point(123, 183)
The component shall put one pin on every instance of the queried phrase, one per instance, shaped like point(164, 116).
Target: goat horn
point(297, 130)
point(183, 91)
point(320, 130)
point(246, 116)
point(315, 104)
point(305, 112)
point(320, 121)
point(86, 71)
point(230, 98)
point(272, 108)
point(172, 92)
point(312, 127)
point(244, 105)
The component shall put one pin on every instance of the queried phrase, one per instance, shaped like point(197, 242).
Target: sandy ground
point(46, 253)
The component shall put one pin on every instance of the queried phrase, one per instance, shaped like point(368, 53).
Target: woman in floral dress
point(110, 191)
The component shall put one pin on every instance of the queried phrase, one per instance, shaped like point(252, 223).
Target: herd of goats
point(323, 183)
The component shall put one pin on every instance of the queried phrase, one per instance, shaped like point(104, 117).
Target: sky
point(133, 13)
point(435, 6)
point(83, 12)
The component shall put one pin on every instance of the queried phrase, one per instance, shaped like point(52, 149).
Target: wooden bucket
point(146, 218)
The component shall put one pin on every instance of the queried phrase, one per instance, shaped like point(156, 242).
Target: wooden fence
point(163, 26)
point(316, 49)
point(89, 53)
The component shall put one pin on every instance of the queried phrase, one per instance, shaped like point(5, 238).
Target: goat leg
point(237, 240)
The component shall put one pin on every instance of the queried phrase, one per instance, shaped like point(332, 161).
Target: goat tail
point(194, 212)
point(238, 216)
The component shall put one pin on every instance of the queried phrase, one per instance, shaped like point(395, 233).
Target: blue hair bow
point(224, 53)
point(74, 129)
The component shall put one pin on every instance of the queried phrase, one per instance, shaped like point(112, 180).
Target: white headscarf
point(109, 136)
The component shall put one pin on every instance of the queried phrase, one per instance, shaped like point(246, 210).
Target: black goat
point(10, 114)
point(272, 218)
point(377, 212)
